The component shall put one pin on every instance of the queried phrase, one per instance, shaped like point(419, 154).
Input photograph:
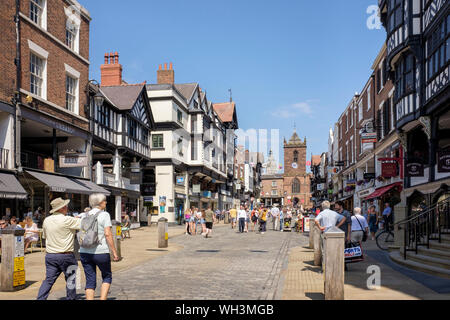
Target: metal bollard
point(311, 233)
point(12, 272)
point(317, 247)
point(116, 231)
point(333, 248)
point(163, 233)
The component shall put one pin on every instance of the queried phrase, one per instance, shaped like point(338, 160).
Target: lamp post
point(98, 101)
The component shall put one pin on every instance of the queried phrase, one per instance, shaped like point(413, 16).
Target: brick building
point(296, 182)
point(42, 102)
point(272, 189)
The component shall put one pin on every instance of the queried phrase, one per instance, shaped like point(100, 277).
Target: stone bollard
point(311, 233)
point(317, 246)
point(116, 231)
point(333, 248)
point(163, 233)
point(227, 218)
point(12, 272)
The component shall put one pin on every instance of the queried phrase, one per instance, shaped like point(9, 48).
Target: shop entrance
point(179, 209)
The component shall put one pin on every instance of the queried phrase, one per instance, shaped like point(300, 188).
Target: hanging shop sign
point(135, 177)
point(73, 160)
point(339, 163)
point(369, 137)
point(443, 161)
point(180, 180)
point(195, 188)
point(414, 169)
point(389, 169)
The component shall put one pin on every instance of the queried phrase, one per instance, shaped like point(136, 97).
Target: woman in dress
point(187, 219)
point(31, 232)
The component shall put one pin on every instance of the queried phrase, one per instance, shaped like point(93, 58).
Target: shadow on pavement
point(315, 295)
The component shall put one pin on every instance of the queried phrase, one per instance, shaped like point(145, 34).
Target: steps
point(434, 260)
point(423, 266)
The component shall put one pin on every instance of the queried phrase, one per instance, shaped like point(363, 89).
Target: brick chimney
point(166, 76)
point(111, 71)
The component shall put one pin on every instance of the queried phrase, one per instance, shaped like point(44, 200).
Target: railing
point(426, 225)
point(33, 160)
point(4, 153)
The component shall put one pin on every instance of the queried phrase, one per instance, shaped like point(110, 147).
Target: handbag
point(364, 239)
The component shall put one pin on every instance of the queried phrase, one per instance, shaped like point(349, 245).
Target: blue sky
point(285, 61)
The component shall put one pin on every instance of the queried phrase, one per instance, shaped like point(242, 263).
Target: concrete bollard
point(333, 248)
point(311, 233)
point(163, 233)
point(116, 231)
point(317, 246)
point(12, 272)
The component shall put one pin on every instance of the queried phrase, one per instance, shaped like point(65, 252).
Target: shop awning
point(10, 187)
point(65, 184)
point(345, 198)
point(380, 191)
point(95, 188)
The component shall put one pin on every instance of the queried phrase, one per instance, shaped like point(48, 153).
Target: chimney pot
point(160, 67)
point(170, 66)
point(165, 66)
point(111, 57)
point(106, 58)
point(116, 57)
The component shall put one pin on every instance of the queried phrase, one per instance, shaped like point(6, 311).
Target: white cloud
point(294, 110)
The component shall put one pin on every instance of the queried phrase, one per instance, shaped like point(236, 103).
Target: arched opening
point(295, 186)
point(418, 150)
point(417, 203)
point(296, 156)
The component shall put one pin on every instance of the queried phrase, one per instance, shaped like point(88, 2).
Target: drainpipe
point(17, 98)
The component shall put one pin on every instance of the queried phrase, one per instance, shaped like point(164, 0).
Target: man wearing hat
point(59, 231)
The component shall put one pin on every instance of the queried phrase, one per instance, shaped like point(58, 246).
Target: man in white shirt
point(242, 215)
point(359, 226)
point(275, 213)
point(328, 218)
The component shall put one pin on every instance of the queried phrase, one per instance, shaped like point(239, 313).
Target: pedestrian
point(187, 219)
point(203, 221)
point(359, 226)
point(247, 219)
point(387, 215)
point(98, 255)
point(233, 215)
point(192, 222)
point(198, 220)
point(327, 218)
point(59, 232)
point(254, 219)
point(209, 217)
point(373, 221)
point(262, 220)
point(347, 226)
point(31, 232)
point(282, 215)
point(242, 214)
point(275, 213)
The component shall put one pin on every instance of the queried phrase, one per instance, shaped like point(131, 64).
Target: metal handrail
point(421, 213)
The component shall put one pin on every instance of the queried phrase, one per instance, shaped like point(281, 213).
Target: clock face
point(294, 165)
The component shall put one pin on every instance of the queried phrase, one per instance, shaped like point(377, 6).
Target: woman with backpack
point(96, 252)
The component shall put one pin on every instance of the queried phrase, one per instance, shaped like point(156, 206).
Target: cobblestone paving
point(227, 266)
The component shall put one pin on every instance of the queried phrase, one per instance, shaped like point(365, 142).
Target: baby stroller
point(287, 224)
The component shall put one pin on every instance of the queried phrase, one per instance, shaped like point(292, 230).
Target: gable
point(139, 111)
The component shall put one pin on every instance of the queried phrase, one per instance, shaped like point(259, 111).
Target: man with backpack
point(59, 230)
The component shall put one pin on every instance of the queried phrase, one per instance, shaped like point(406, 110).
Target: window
point(351, 117)
point(193, 148)
point(395, 14)
point(144, 135)
point(379, 128)
point(437, 48)
point(378, 80)
point(346, 122)
point(386, 118)
point(295, 186)
point(71, 34)
point(274, 183)
point(36, 10)
point(404, 77)
point(103, 115)
point(157, 141)
point(360, 111)
point(180, 116)
point(36, 75)
point(368, 97)
point(132, 128)
point(295, 156)
point(194, 123)
point(71, 85)
point(180, 146)
point(274, 192)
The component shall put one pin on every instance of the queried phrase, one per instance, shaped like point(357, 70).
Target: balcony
point(4, 156)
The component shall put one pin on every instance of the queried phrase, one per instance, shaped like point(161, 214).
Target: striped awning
point(10, 187)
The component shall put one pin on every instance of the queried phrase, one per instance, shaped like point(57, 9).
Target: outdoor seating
point(33, 244)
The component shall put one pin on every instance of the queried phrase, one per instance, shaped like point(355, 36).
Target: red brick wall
point(267, 187)
point(345, 135)
point(300, 173)
point(7, 50)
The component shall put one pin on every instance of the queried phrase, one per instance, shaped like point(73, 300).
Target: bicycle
point(385, 238)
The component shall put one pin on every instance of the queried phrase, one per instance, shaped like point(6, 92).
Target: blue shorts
point(192, 219)
point(90, 262)
point(202, 221)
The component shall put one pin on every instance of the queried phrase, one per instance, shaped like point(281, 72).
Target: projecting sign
point(389, 169)
point(369, 176)
point(368, 137)
point(195, 188)
point(414, 169)
point(339, 163)
point(180, 180)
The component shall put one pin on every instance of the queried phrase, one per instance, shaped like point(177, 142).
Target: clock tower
point(295, 179)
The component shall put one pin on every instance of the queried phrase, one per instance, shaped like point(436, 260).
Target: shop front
point(180, 206)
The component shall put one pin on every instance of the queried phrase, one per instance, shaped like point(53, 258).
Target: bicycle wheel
point(384, 239)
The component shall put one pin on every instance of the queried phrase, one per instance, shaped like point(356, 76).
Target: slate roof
point(123, 97)
point(186, 89)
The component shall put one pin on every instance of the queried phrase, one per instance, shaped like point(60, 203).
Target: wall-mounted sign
point(195, 188)
point(351, 183)
point(369, 176)
point(339, 163)
point(389, 169)
point(73, 160)
point(180, 196)
point(443, 161)
point(414, 169)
